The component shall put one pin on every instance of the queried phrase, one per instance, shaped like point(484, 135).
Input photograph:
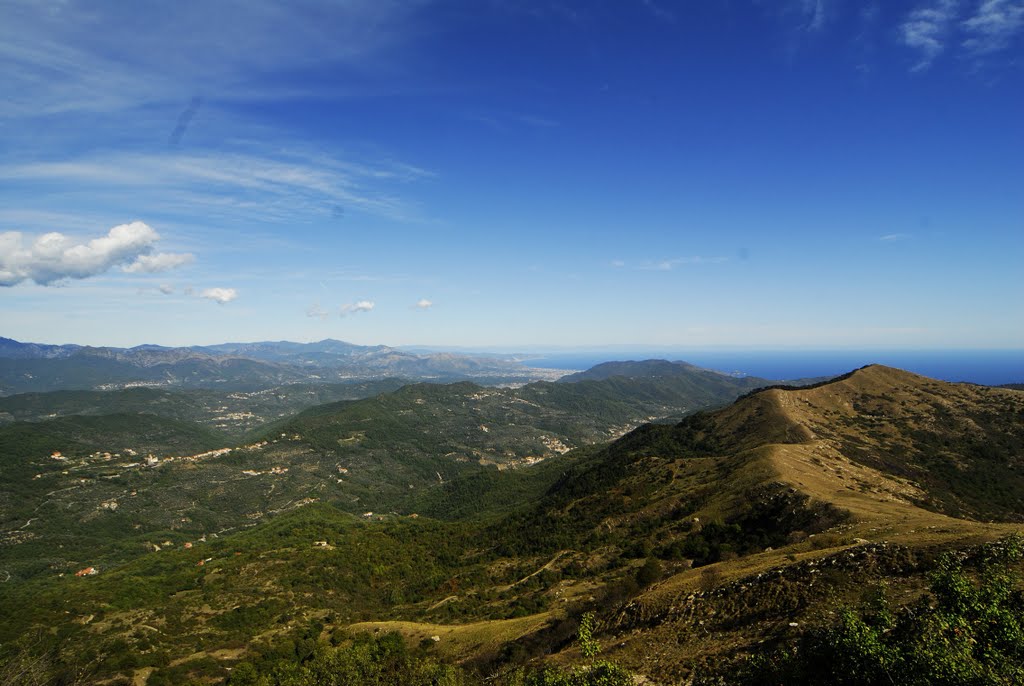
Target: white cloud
point(166, 289)
point(890, 237)
point(424, 304)
point(927, 28)
point(618, 264)
point(220, 295)
point(993, 26)
point(54, 256)
point(357, 307)
point(160, 262)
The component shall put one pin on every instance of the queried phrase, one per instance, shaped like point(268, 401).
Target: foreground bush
point(969, 631)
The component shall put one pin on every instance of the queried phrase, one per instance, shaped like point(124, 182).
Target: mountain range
point(28, 367)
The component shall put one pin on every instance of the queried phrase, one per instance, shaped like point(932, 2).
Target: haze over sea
point(990, 367)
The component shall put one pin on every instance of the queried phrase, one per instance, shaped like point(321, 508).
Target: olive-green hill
point(142, 464)
point(234, 412)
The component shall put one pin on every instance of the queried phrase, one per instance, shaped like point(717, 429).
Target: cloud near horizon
point(54, 256)
point(357, 307)
point(219, 295)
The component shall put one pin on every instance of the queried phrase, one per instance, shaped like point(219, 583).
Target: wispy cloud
point(166, 289)
point(357, 307)
point(219, 295)
point(891, 237)
point(993, 26)
point(59, 57)
point(54, 257)
point(241, 183)
point(423, 304)
point(926, 29)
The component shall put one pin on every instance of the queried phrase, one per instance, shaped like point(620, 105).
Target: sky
point(481, 173)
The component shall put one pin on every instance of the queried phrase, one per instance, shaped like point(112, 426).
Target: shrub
point(968, 631)
point(710, 578)
point(649, 573)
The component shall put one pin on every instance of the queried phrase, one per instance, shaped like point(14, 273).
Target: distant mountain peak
point(35, 367)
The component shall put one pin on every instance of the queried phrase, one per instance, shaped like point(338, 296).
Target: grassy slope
point(813, 440)
point(810, 442)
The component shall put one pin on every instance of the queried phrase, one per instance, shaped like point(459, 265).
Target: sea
point(988, 367)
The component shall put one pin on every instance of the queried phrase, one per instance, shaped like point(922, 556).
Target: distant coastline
point(989, 367)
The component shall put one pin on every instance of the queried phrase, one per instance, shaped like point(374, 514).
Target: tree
point(649, 573)
point(589, 648)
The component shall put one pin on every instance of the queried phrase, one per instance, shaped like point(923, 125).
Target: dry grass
point(794, 437)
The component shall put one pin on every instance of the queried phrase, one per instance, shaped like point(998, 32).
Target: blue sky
point(796, 173)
